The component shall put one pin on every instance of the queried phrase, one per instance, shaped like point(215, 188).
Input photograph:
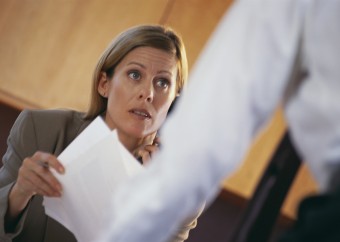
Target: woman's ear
point(103, 85)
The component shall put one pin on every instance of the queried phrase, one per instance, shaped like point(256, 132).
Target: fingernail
point(61, 170)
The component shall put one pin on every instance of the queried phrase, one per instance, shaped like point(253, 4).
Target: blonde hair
point(154, 36)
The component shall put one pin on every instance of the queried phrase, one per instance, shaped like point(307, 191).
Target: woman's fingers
point(157, 141)
point(147, 152)
point(44, 162)
point(48, 160)
point(33, 184)
point(145, 156)
point(46, 181)
point(35, 176)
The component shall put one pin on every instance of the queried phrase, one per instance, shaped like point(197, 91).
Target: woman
point(134, 84)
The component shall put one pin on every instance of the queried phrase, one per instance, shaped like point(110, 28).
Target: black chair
point(259, 217)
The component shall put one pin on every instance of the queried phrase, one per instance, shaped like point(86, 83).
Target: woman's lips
point(141, 113)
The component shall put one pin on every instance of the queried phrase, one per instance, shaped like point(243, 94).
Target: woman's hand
point(144, 153)
point(34, 177)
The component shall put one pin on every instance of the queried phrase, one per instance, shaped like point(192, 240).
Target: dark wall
point(7, 118)
point(220, 219)
point(217, 222)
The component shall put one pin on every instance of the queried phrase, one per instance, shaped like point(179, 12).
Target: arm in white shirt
point(313, 111)
point(238, 81)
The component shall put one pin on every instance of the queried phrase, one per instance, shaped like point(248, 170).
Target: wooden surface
point(196, 20)
point(49, 49)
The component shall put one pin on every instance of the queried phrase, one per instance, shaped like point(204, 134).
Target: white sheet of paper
point(95, 163)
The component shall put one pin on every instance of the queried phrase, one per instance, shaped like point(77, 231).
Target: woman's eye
point(134, 75)
point(163, 83)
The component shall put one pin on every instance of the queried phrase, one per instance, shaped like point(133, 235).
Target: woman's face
point(140, 91)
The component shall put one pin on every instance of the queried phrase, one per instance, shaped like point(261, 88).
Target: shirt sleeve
point(313, 111)
point(233, 89)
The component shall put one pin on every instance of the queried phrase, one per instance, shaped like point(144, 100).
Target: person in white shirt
point(264, 53)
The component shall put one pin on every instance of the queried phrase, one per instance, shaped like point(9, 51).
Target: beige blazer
point(49, 131)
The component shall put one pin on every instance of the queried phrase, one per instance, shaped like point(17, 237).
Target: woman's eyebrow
point(165, 71)
point(144, 67)
point(136, 63)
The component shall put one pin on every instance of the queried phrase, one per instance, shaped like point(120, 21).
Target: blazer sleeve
point(21, 143)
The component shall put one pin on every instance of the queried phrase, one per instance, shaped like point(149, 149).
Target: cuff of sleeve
point(4, 194)
point(189, 224)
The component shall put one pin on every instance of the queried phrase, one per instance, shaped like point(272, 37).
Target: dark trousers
point(318, 218)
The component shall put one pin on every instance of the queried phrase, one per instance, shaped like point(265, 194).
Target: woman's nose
point(146, 93)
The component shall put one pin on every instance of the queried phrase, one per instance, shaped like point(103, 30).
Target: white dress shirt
point(262, 54)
